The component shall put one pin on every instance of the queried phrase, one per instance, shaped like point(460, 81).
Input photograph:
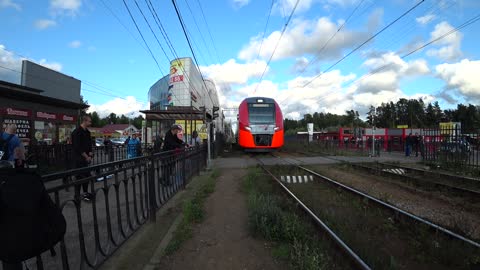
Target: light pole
point(373, 131)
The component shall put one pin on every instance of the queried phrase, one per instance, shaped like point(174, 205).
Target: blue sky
point(82, 38)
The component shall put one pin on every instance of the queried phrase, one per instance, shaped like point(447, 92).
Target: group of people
point(174, 139)
point(413, 143)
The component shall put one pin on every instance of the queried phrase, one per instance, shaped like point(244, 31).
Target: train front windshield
point(261, 113)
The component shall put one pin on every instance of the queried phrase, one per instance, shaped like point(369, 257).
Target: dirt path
point(222, 241)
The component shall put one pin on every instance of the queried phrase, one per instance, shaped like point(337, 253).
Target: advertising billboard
point(177, 70)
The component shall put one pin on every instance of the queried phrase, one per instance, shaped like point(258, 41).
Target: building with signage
point(40, 119)
point(183, 88)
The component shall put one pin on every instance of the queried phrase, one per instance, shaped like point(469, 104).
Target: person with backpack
point(30, 222)
point(8, 142)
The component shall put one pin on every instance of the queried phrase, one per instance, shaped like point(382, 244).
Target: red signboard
point(67, 118)
point(16, 112)
point(48, 116)
point(177, 78)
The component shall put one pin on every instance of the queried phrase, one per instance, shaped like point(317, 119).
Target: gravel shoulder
point(450, 214)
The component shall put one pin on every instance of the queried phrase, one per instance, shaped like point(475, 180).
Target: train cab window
point(261, 113)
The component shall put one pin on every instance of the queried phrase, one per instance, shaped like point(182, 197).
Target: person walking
point(8, 142)
point(83, 155)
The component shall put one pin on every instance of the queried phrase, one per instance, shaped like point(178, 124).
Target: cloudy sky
point(334, 55)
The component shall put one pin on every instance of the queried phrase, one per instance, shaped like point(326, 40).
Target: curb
point(158, 254)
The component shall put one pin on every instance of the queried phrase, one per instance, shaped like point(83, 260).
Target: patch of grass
point(281, 251)
point(193, 213)
point(273, 217)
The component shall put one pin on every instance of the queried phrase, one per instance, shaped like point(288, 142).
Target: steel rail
point(391, 207)
point(342, 245)
point(465, 191)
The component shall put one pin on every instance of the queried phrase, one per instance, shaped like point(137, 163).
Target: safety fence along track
point(126, 195)
point(372, 233)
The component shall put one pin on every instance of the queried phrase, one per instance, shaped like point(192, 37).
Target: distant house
point(119, 130)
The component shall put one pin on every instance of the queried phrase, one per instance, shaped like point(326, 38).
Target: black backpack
point(30, 222)
point(4, 146)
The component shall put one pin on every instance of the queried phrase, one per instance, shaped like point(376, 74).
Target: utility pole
point(373, 131)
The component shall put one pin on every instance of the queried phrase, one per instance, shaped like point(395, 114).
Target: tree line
point(112, 118)
point(411, 112)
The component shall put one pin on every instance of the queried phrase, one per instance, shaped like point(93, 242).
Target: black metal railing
point(60, 157)
point(451, 148)
point(127, 194)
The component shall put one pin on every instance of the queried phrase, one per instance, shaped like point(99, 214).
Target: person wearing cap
point(172, 142)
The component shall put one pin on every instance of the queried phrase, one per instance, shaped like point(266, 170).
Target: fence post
point(184, 168)
point(151, 189)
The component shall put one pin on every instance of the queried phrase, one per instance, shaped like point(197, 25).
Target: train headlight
point(248, 128)
point(276, 128)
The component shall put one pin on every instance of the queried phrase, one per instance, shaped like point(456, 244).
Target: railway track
point(444, 238)
point(430, 182)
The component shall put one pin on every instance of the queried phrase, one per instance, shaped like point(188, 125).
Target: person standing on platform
point(82, 147)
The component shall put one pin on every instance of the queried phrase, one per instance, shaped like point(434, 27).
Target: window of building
point(45, 132)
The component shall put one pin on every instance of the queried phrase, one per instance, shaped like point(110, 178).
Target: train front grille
point(263, 139)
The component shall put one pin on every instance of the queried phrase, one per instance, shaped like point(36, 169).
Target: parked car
point(99, 142)
point(455, 147)
point(119, 142)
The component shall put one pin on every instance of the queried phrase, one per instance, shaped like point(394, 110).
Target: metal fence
point(59, 157)
point(451, 148)
point(127, 194)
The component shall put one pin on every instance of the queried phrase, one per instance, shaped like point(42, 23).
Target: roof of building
point(174, 113)
point(16, 91)
point(114, 127)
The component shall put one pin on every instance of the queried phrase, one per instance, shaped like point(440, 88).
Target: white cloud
point(386, 71)
point(304, 36)
point(14, 65)
point(65, 7)
point(75, 44)
point(233, 72)
point(51, 65)
point(44, 24)
point(425, 19)
point(128, 106)
point(240, 3)
point(462, 76)
point(285, 7)
point(9, 4)
point(451, 43)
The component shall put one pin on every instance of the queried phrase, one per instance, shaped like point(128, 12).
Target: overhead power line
point(190, 45)
point(140, 32)
point(198, 29)
point(124, 26)
point(377, 70)
point(317, 56)
point(150, 27)
point(209, 33)
point(365, 42)
point(280, 38)
point(265, 29)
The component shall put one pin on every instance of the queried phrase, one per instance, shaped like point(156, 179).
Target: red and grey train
point(260, 125)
